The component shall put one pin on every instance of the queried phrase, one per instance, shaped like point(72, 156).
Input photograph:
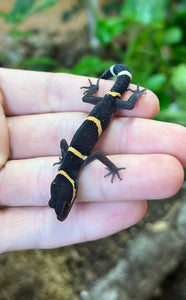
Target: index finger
point(30, 92)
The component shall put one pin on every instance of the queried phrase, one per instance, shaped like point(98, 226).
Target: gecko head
point(63, 194)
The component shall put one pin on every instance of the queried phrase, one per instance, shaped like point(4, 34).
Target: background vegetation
point(149, 36)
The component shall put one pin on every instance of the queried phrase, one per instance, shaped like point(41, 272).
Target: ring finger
point(148, 176)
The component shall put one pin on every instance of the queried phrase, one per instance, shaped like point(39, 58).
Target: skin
point(37, 110)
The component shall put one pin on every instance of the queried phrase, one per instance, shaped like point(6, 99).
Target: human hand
point(41, 109)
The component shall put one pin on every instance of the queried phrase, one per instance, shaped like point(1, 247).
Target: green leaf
point(109, 28)
point(43, 63)
point(145, 12)
point(178, 78)
point(173, 35)
point(180, 99)
point(21, 10)
point(66, 16)
point(43, 5)
point(156, 82)
point(17, 34)
point(3, 15)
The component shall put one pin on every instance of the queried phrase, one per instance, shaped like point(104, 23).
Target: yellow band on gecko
point(114, 94)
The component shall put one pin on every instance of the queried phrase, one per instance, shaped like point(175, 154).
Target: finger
point(151, 176)
point(4, 139)
point(143, 136)
point(27, 228)
point(125, 135)
point(28, 92)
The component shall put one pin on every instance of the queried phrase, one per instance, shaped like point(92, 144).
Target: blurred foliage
point(38, 63)
point(23, 9)
point(89, 65)
point(149, 36)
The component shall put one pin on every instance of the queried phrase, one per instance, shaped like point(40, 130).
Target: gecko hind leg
point(110, 166)
point(64, 149)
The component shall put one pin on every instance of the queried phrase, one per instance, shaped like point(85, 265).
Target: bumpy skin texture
point(78, 153)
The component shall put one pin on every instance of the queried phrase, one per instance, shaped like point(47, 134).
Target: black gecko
point(78, 154)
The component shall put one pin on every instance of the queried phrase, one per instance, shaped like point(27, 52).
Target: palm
point(40, 110)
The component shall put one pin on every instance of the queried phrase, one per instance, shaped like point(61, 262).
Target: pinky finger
point(37, 227)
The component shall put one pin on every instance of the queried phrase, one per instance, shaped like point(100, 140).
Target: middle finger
point(40, 135)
